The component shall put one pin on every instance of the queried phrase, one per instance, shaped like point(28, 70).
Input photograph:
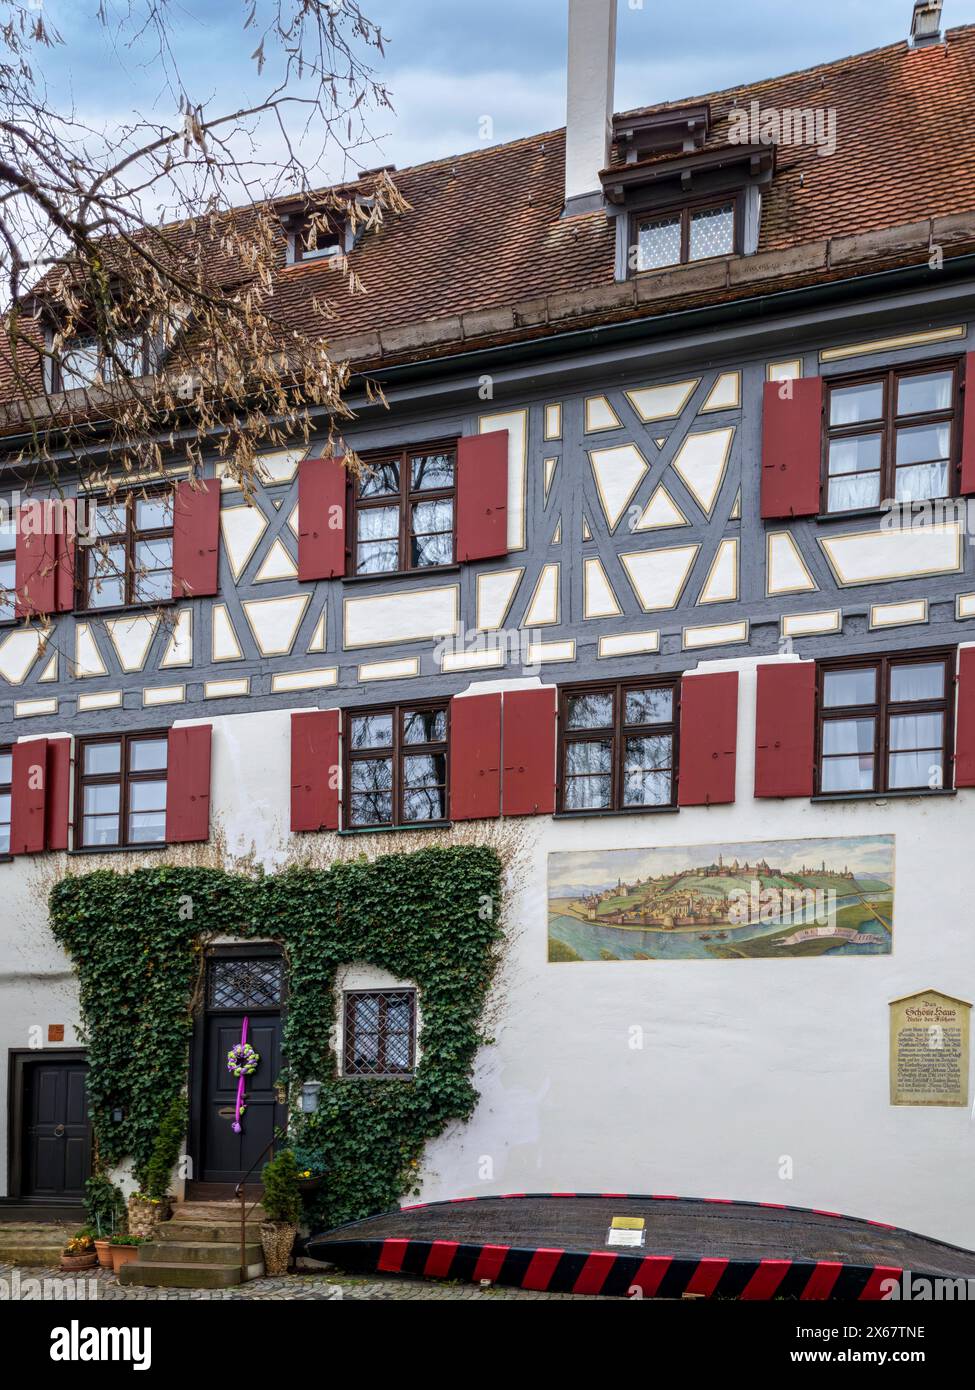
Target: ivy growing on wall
point(137, 941)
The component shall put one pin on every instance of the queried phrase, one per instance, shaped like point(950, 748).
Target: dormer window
point(83, 361)
point(685, 234)
point(314, 233)
point(318, 239)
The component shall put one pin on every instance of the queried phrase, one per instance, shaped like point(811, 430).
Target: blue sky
point(451, 62)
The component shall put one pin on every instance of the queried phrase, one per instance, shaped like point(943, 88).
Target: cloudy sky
point(450, 63)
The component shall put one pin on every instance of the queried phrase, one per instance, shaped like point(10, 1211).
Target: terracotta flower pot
point(103, 1250)
point(277, 1238)
point(74, 1263)
point(123, 1255)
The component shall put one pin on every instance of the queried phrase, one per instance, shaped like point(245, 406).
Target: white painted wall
point(743, 1062)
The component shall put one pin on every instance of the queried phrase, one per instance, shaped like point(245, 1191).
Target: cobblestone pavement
point(101, 1286)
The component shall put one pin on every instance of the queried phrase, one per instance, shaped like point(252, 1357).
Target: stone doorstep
point(32, 1243)
point(186, 1276)
point(222, 1213)
point(199, 1248)
point(205, 1231)
point(209, 1252)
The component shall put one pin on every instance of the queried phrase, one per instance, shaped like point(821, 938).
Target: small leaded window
point(689, 234)
point(122, 791)
point(890, 437)
point(396, 766)
point(130, 558)
point(379, 1032)
point(238, 983)
point(618, 746)
point(83, 362)
point(403, 511)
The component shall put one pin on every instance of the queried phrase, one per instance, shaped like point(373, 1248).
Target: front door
point(239, 987)
point(56, 1158)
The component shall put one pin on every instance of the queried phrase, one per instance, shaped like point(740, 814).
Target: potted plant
point(309, 1180)
point(282, 1210)
point(105, 1209)
point(79, 1253)
point(125, 1249)
point(153, 1202)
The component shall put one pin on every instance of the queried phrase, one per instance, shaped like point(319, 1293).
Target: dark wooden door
point(57, 1136)
point(228, 1156)
point(239, 987)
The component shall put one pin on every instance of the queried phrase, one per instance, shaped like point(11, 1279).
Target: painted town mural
point(763, 899)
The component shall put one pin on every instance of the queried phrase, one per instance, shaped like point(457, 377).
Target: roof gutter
point(660, 324)
point(545, 347)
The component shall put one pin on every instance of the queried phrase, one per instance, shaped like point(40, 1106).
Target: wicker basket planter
point(145, 1214)
point(277, 1239)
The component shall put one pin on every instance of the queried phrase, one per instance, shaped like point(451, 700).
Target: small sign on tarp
point(626, 1230)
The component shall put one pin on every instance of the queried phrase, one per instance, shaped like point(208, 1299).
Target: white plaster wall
point(743, 1063)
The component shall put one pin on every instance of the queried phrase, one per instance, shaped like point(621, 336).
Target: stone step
point(204, 1230)
point(207, 1252)
point(185, 1276)
point(224, 1213)
point(33, 1243)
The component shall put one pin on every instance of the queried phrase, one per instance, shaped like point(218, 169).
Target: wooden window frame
point(130, 539)
point(8, 557)
point(618, 732)
point(887, 427)
point(396, 752)
point(686, 209)
point(6, 788)
point(144, 355)
point(348, 1034)
point(301, 254)
point(881, 712)
point(124, 778)
point(404, 501)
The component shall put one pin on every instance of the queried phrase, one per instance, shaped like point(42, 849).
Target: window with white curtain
point(890, 437)
point(885, 723)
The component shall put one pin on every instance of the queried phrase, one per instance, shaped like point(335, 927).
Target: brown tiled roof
point(485, 239)
point(486, 227)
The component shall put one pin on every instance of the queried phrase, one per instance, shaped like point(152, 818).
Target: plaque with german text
point(929, 1035)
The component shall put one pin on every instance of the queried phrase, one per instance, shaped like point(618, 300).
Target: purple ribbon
point(239, 1109)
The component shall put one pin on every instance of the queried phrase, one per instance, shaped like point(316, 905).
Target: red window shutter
point(58, 799)
point(967, 484)
point(314, 770)
point(475, 757)
point(28, 797)
point(322, 485)
point(528, 783)
point(64, 581)
point(188, 784)
point(482, 496)
point(196, 538)
point(36, 560)
point(785, 727)
point(965, 720)
point(708, 739)
point(792, 447)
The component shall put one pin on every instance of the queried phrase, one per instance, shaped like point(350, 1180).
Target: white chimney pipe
point(589, 99)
